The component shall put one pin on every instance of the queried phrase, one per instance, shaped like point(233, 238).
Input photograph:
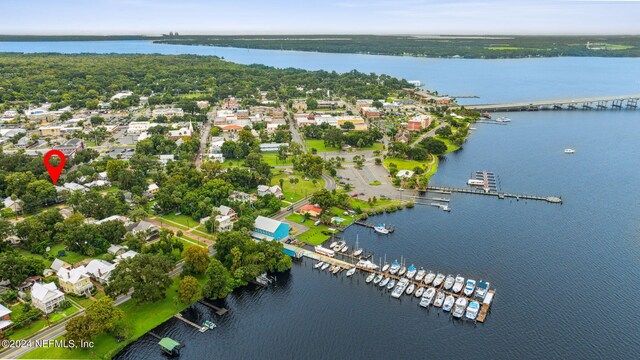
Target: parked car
point(354, 195)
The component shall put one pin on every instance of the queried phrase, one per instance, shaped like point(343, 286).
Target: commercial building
point(265, 228)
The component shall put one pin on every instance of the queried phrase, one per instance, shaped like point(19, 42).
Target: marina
point(549, 199)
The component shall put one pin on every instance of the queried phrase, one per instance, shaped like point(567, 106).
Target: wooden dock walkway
point(371, 226)
point(484, 308)
point(219, 311)
point(198, 327)
point(500, 195)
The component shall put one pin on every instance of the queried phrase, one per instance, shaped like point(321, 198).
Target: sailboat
point(357, 251)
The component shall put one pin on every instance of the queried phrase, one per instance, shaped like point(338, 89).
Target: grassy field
point(271, 158)
point(450, 146)
point(140, 318)
point(363, 205)
point(71, 257)
point(40, 322)
point(295, 192)
point(314, 235)
point(185, 221)
point(404, 164)
point(319, 145)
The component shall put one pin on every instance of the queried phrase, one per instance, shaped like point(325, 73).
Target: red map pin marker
point(54, 171)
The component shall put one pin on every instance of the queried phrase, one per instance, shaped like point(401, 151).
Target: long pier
point(500, 195)
point(629, 102)
point(345, 265)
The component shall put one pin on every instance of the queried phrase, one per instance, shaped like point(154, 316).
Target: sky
point(481, 17)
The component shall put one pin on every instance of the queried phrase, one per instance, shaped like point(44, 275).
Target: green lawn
point(363, 205)
point(140, 318)
point(71, 257)
point(39, 323)
point(271, 158)
point(184, 222)
point(295, 192)
point(404, 164)
point(314, 235)
point(450, 146)
point(319, 145)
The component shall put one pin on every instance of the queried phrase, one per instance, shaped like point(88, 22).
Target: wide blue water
point(566, 275)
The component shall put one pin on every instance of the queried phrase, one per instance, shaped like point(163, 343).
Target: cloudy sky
point(320, 17)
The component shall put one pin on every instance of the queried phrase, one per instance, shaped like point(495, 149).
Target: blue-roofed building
point(265, 228)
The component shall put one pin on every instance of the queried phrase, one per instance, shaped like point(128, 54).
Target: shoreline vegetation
point(433, 46)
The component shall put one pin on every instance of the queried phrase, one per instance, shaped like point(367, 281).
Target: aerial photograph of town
point(345, 179)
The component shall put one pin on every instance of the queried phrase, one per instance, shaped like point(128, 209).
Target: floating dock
point(371, 226)
point(549, 199)
point(484, 308)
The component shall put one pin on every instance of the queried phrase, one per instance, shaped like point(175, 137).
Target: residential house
point(140, 226)
point(225, 210)
point(240, 196)
point(100, 270)
point(15, 205)
point(265, 228)
point(116, 250)
point(59, 264)
point(127, 255)
point(164, 159)
point(75, 281)
point(46, 297)
point(274, 190)
point(152, 189)
point(224, 222)
point(314, 211)
point(5, 319)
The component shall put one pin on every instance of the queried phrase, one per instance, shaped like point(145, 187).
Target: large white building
point(46, 297)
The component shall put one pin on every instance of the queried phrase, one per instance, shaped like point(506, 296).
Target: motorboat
point(457, 286)
point(427, 298)
point(448, 283)
point(324, 251)
point(503, 119)
point(410, 289)
point(333, 267)
point(391, 284)
point(569, 151)
point(419, 292)
point(439, 299)
point(472, 310)
point(395, 267)
point(337, 269)
point(345, 249)
point(468, 289)
point(400, 288)
point(339, 245)
point(384, 282)
point(402, 270)
point(325, 266)
point(380, 228)
point(377, 278)
point(411, 271)
point(448, 303)
point(357, 252)
point(461, 305)
point(209, 324)
point(439, 279)
point(385, 267)
point(370, 277)
point(420, 275)
point(333, 244)
point(481, 289)
point(367, 264)
point(351, 271)
point(428, 279)
point(318, 265)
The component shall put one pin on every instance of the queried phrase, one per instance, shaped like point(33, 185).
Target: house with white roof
point(116, 250)
point(100, 270)
point(5, 319)
point(127, 255)
point(404, 174)
point(275, 190)
point(15, 205)
point(46, 297)
point(75, 281)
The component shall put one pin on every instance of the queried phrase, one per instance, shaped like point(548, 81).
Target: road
point(204, 140)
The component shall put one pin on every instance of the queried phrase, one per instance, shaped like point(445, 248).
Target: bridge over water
point(594, 103)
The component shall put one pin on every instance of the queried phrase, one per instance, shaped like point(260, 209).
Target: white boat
point(384, 282)
point(419, 292)
point(318, 265)
point(324, 251)
point(339, 245)
point(457, 286)
point(472, 128)
point(333, 244)
point(337, 269)
point(377, 278)
point(380, 228)
point(461, 305)
point(439, 299)
point(468, 289)
point(481, 289)
point(410, 289)
point(402, 270)
point(345, 249)
point(420, 274)
point(429, 278)
point(439, 279)
point(427, 298)
point(367, 264)
point(395, 267)
point(351, 271)
point(503, 119)
point(370, 277)
point(448, 283)
point(391, 284)
point(472, 310)
point(411, 271)
point(448, 303)
point(385, 267)
point(400, 288)
point(569, 151)
point(325, 266)
point(357, 252)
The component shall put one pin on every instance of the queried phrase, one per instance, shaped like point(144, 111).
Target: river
point(564, 274)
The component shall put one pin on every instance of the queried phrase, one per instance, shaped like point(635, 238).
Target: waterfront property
point(265, 228)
